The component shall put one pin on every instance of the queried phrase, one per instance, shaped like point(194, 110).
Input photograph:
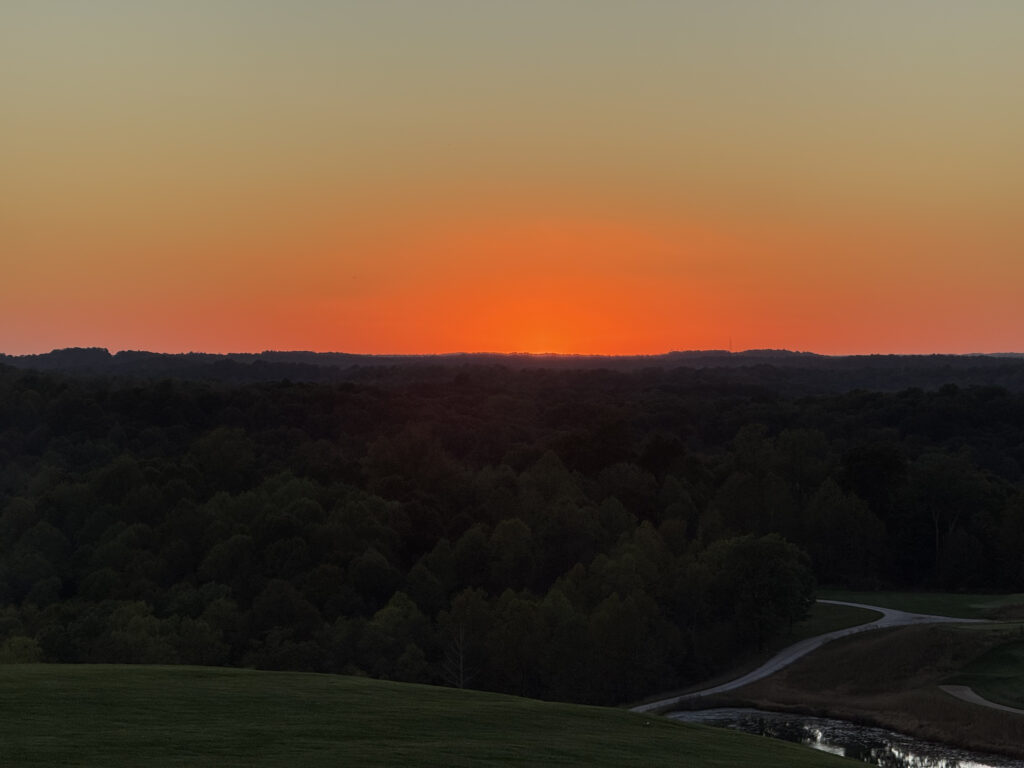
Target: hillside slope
point(100, 715)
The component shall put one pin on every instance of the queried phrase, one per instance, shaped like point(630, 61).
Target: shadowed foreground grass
point(72, 715)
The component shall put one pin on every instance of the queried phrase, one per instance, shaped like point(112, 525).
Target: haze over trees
point(589, 535)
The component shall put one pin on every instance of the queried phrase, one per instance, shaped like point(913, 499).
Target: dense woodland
point(591, 535)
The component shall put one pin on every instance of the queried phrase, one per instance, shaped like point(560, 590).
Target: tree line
point(583, 535)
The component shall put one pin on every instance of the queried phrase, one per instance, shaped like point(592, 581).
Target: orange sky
point(591, 177)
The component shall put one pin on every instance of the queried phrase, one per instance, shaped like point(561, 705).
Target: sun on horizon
point(577, 178)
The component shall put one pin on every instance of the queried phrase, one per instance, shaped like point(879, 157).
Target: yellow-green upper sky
point(557, 175)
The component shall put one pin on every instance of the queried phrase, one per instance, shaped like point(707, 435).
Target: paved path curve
point(889, 618)
point(968, 694)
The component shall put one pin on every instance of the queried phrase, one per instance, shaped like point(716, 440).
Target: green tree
point(464, 630)
point(373, 577)
point(512, 556)
point(764, 584)
point(19, 649)
point(516, 640)
point(393, 640)
point(845, 538)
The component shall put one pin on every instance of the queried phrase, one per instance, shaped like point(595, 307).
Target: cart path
point(889, 618)
point(968, 694)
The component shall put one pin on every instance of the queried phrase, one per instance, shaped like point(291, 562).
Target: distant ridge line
point(777, 370)
point(96, 353)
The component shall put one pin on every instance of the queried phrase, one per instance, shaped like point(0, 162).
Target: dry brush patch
point(890, 678)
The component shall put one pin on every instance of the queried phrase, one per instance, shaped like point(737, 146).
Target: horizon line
point(482, 353)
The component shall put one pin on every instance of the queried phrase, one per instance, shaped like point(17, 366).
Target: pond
point(875, 746)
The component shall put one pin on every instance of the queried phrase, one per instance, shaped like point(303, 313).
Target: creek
point(875, 746)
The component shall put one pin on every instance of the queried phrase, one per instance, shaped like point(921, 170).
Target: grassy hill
point(998, 675)
point(72, 715)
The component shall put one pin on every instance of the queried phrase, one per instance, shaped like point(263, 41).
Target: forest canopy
point(591, 535)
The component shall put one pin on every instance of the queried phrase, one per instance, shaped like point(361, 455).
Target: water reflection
point(870, 745)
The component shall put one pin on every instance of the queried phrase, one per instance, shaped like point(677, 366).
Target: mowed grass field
point(998, 675)
point(84, 715)
point(962, 606)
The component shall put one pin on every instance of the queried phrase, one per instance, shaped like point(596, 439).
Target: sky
point(577, 176)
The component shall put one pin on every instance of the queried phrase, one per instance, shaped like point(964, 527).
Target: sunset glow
point(579, 177)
